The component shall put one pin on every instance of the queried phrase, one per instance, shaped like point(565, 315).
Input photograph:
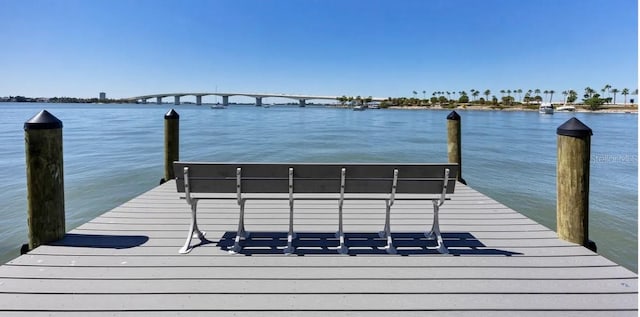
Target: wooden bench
point(313, 181)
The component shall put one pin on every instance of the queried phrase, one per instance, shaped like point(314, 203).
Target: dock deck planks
point(126, 262)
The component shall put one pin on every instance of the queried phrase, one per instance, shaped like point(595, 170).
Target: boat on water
point(546, 108)
point(565, 108)
point(359, 108)
point(218, 106)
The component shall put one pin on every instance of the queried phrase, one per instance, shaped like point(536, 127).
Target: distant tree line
point(354, 101)
point(508, 98)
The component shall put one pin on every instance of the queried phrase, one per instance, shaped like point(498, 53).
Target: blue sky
point(329, 47)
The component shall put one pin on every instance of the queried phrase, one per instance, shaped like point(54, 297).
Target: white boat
point(566, 108)
point(218, 106)
point(358, 108)
point(546, 108)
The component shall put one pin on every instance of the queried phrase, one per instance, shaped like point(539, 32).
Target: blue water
point(114, 152)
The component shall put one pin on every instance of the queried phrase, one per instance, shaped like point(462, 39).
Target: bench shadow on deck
point(101, 241)
point(365, 243)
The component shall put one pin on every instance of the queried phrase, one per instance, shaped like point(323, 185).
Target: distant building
point(103, 96)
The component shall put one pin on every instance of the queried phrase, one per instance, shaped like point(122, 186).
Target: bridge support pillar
point(144, 101)
point(199, 100)
point(259, 101)
point(159, 100)
point(225, 101)
point(176, 100)
point(303, 102)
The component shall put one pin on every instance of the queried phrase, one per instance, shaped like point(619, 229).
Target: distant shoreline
point(623, 109)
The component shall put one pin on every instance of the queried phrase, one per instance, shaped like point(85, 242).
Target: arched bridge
point(302, 99)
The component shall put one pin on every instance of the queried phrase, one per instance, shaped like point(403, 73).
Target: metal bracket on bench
point(342, 249)
point(387, 222)
point(241, 233)
point(435, 228)
point(193, 227)
point(444, 186)
point(291, 235)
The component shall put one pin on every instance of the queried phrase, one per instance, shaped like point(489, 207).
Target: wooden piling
point(45, 179)
point(171, 143)
point(574, 153)
point(454, 142)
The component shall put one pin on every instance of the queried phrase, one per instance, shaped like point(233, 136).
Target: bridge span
point(302, 99)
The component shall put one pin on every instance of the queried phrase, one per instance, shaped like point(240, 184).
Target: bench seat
point(308, 181)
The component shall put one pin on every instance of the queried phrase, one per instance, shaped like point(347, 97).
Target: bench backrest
point(315, 177)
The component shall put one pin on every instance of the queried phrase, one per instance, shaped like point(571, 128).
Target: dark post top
point(574, 127)
point(453, 116)
point(43, 120)
point(172, 114)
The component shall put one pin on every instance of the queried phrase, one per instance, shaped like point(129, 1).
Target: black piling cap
point(43, 120)
point(172, 114)
point(575, 128)
point(453, 116)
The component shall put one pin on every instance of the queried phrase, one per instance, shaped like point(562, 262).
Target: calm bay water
point(113, 153)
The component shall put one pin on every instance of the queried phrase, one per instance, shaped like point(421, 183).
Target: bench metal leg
point(241, 233)
point(291, 235)
point(387, 226)
point(387, 230)
point(193, 229)
point(435, 230)
point(342, 249)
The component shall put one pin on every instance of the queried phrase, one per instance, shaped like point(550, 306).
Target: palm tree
point(475, 94)
point(502, 91)
point(415, 93)
point(606, 88)
point(424, 92)
point(573, 95)
point(551, 94)
point(546, 92)
point(509, 92)
point(589, 92)
point(565, 94)
point(614, 91)
point(625, 92)
point(487, 93)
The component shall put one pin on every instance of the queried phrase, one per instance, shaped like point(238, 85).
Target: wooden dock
point(126, 262)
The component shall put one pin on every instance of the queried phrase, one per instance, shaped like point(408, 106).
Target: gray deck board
point(125, 262)
point(324, 313)
point(279, 286)
point(301, 302)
